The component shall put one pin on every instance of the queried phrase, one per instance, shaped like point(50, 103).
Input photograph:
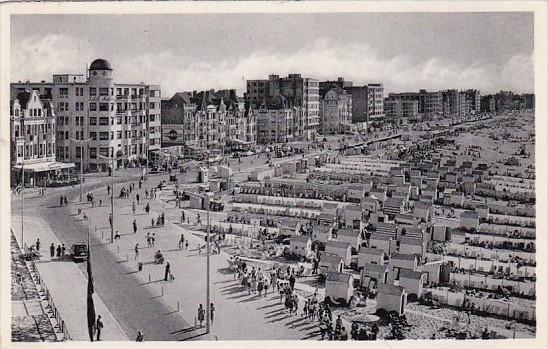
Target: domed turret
point(100, 64)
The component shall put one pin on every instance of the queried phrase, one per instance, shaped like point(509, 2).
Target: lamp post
point(81, 142)
point(111, 159)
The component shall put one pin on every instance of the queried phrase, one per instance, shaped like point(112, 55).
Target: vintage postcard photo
point(272, 173)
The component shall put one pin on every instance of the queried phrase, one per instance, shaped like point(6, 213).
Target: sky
point(184, 52)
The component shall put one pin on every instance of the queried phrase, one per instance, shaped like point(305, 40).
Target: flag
point(91, 306)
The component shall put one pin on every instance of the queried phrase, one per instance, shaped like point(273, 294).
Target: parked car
point(79, 251)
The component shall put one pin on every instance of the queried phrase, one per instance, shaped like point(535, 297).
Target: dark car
point(79, 252)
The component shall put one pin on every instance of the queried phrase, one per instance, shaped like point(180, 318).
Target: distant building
point(117, 118)
point(275, 121)
point(367, 102)
point(299, 92)
point(335, 111)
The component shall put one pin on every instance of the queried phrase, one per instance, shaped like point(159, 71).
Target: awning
point(46, 166)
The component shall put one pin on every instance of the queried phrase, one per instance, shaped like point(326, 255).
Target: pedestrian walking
point(140, 337)
point(182, 216)
point(181, 242)
point(136, 251)
point(133, 207)
point(60, 200)
point(167, 270)
point(147, 208)
point(59, 252)
point(153, 239)
point(110, 219)
point(212, 311)
point(108, 189)
point(63, 250)
point(201, 314)
point(37, 245)
point(199, 248)
point(148, 240)
point(137, 197)
point(186, 245)
point(134, 226)
point(98, 327)
point(52, 250)
point(65, 199)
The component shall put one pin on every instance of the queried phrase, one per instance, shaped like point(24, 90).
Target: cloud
point(321, 59)
point(38, 58)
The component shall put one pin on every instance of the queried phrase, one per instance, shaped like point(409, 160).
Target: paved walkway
point(66, 283)
point(238, 316)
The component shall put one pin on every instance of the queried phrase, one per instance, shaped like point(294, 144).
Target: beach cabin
point(301, 245)
point(405, 261)
point(412, 281)
point(330, 262)
point(422, 211)
point(410, 245)
point(289, 226)
point(381, 242)
point(339, 286)
point(469, 220)
point(391, 298)
point(373, 274)
point(353, 217)
point(341, 249)
point(352, 236)
point(440, 233)
point(321, 233)
point(368, 255)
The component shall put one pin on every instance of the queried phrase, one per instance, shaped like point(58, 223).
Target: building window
point(93, 91)
point(103, 151)
point(63, 91)
point(93, 107)
point(118, 134)
point(93, 153)
point(93, 135)
point(152, 105)
point(103, 91)
point(103, 121)
point(103, 136)
point(93, 121)
point(103, 106)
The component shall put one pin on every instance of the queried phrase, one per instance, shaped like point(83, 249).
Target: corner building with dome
point(97, 117)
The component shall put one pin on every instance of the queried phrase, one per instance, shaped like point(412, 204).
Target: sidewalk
point(261, 317)
point(66, 283)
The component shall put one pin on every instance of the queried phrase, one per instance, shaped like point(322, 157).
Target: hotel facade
point(98, 118)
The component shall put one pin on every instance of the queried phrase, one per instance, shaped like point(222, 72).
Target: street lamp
point(112, 159)
point(81, 141)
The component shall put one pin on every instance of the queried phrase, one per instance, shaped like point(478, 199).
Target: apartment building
point(275, 121)
point(335, 111)
point(299, 92)
point(32, 136)
point(97, 116)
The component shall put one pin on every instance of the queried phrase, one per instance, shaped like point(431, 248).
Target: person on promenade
point(167, 269)
point(60, 200)
point(133, 208)
point(147, 208)
point(137, 197)
point(134, 226)
point(292, 282)
point(201, 314)
point(52, 250)
point(181, 241)
point(152, 222)
point(136, 251)
point(59, 252)
point(140, 337)
point(63, 250)
point(98, 327)
point(153, 239)
point(37, 245)
point(212, 311)
point(110, 219)
point(148, 240)
point(199, 248)
point(186, 245)
point(108, 189)
point(182, 216)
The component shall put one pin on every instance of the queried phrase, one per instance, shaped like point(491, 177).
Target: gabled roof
point(410, 274)
point(330, 258)
point(337, 244)
point(338, 277)
point(469, 214)
point(300, 238)
point(382, 237)
point(411, 241)
point(390, 289)
point(374, 268)
point(403, 256)
point(348, 232)
point(371, 251)
point(23, 98)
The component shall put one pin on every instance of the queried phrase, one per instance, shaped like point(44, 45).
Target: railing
point(55, 312)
